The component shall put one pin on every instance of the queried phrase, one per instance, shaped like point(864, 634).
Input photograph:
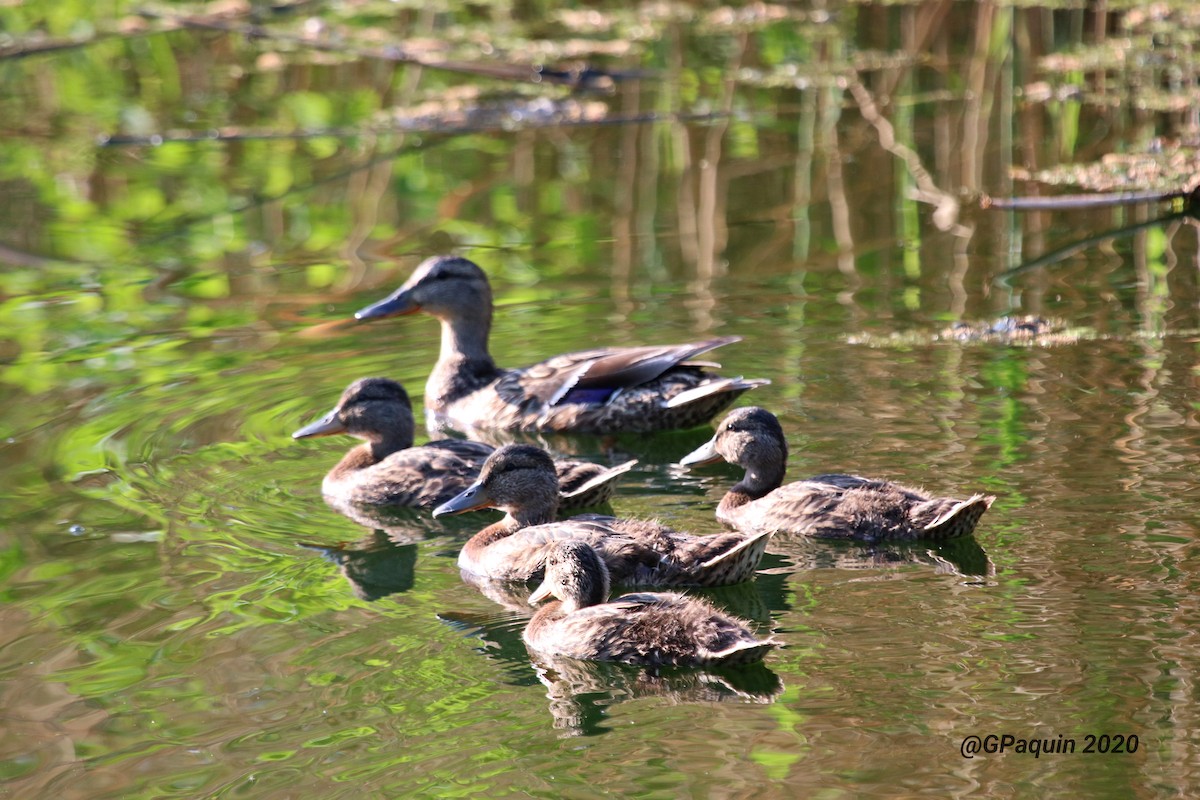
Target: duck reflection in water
point(580, 692)
point(963, 557)
point(376, 567)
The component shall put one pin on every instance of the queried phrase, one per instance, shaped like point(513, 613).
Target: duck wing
point(422, 477)
point(659, 556)
point(465, 449)
point(947, 518)
point(595, 376)
point(583, 483)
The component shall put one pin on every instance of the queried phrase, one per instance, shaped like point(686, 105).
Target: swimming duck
point(519, 479)
point(387, 469)
point(656, 629)
point(824, 506)
point(607, 390)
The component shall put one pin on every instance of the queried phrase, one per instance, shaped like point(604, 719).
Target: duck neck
point(464, 363)
point(513, 521)
point(493, 533)
point(757, 482)
point(528, 516)
point(368, 454)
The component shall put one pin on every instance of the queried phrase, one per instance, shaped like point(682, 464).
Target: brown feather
point(519, 479)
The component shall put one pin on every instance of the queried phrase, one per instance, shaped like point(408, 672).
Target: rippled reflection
point(580, 691)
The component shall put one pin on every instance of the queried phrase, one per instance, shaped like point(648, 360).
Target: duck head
point(445, 286)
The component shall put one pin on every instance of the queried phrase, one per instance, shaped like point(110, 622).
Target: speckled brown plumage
point(606, 390)
point(824, 506)
point(520, 480)
point(388, 470)
point(646, 628)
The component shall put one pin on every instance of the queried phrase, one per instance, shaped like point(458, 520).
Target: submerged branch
point(946, 206)
point(1066, 251)
point(24, 48)
point(1096, 200)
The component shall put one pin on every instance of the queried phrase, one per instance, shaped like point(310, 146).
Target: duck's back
point(617, 389)
point(419, 477)
point(654, 629)
point(636, 552)
point(853, 507)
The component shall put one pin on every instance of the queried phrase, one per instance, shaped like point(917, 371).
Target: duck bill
point(473, 498)
point(540, 593)
point(326, 426)
point(396, 304)
point(704, 454)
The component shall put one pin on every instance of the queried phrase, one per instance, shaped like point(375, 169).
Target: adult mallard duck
point(607, 390)
point(519, 479)
point(387, 469)
point(648, 628)
point(824, 506)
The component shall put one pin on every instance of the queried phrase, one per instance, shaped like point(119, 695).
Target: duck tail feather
point(602, 478)
point(718, 386)
point(960, 519)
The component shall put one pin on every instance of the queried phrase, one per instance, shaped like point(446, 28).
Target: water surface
point(184, 616)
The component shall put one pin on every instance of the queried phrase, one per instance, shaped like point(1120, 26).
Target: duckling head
point(750, 437)
point(373, 409)
point(575, 574)
point(518, 479)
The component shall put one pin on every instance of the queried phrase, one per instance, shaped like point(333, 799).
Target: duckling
point(647, 628)
point(520, 480)
point(824, 506)
point(387, 469)
point(606, 390)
